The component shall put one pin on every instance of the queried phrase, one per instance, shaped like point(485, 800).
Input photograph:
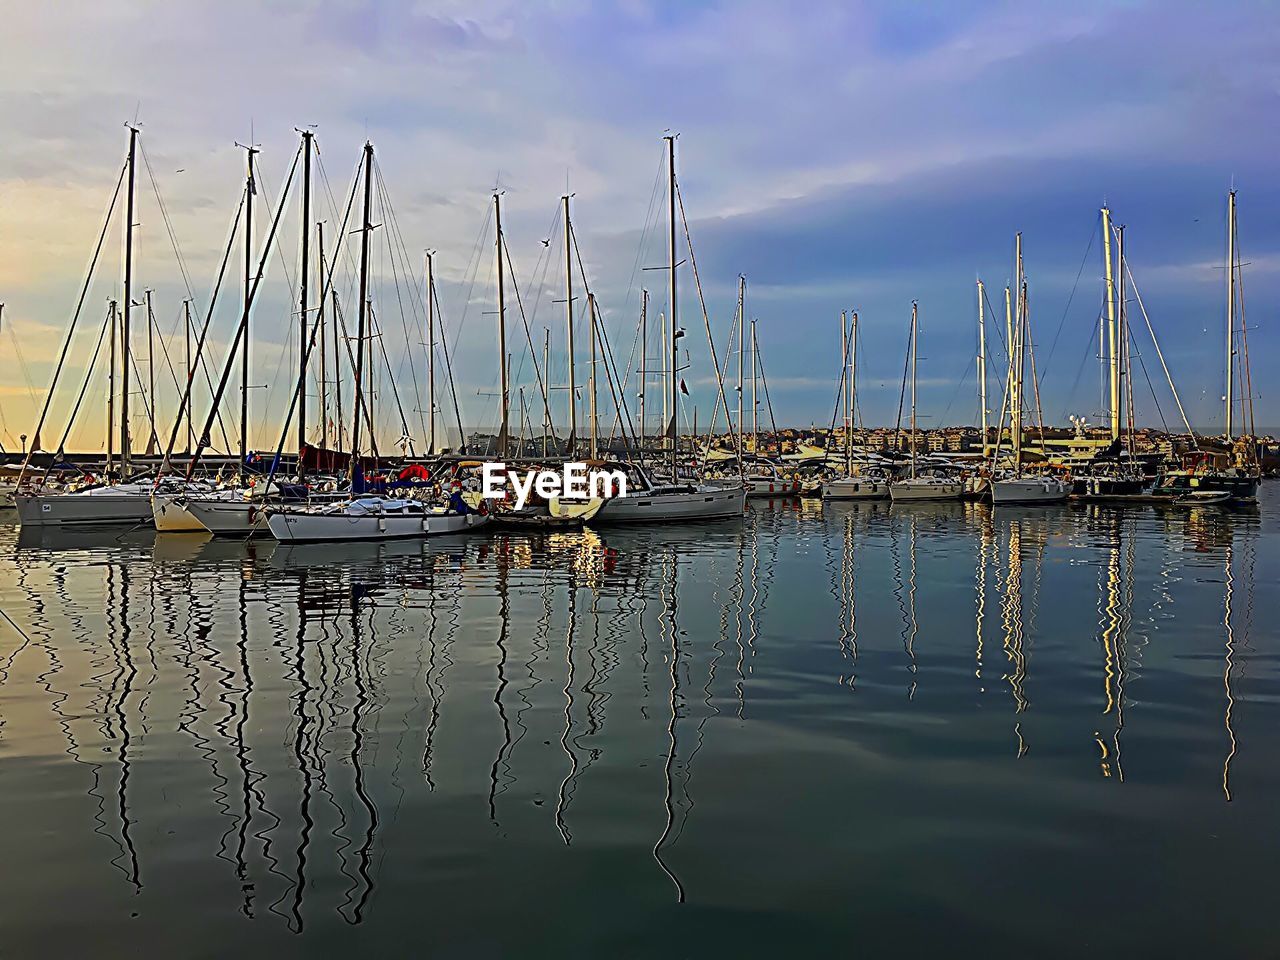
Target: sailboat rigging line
point(1088, 355)
point(626, 379)
point(84, 387)
point(764, 382)
point(999, 331)
point(395, 233)
point(325, 286)
point(1160, 353)
point(168, 223)
point(1246, 374)
point(533, 354)
point(385, 208)
point(241, 329)
point(448, 366)
point(66, 344)
point(200, 341)
point(606, 348)
point(1089, 249)
point(706, 319)
point(1035, 380)
point(395, 393)
point(655, 194)
point(902, 394)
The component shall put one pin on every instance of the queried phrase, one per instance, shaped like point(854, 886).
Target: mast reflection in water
point(811, 727)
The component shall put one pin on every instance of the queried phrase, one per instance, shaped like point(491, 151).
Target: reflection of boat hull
point(925, 490)
point(855, 488)
point(653, 506)
point(172, 516)
point(229, 518)
point(1029, 490)
point(1203, 498)
point(73, 509)
point(305, 526)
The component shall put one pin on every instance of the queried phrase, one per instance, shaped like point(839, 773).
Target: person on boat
point(456, 503)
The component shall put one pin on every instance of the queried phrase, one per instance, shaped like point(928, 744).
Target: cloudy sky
point(840, 155)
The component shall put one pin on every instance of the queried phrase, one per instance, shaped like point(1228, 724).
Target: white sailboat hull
point(703, 503)
point(229, 518)
point(169, 510)
point(302, 526)
point(1030, 490)
point(81, 509)
point(905, 490)
point(855, 488)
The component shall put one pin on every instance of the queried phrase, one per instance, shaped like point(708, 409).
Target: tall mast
point(671, 428)
point(914, 359)
point(666, 359)
point(853, 393)
point(1122, 334)
point(186, 315)
point(504, 428)
point(844, 374)
point(111, 390)
point(546, 410)
point(755, 375)
point(568, 320)
point(644, 346)
point(363, 306)
point(251, 191)
point(431, 352)
point(591, 370)
point(742, 344)
point(982, 361)
point(1113, 332)
point(1015, 395)
point(152, 439)
point(320, 320)
point(1008, 330)
point(1230, 310)
point(125, 446)
point(337, 371)
point(307, 138)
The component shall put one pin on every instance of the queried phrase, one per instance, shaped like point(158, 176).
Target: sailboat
point(1021, 486)
point(1236, 473)
point(919, 486)
point(369, 517)
point(647, 499)
point(236, 511)
point(126, 501)
point(1114, 473)
point(852, 485)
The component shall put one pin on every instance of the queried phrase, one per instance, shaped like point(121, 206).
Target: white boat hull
point(908, 490)
point(229, 518)
point(78, 509)
point(704, 503)
point(169, 510)
point(305, 526)
point(761, 487)
point(1030, 490)
point(855, 488)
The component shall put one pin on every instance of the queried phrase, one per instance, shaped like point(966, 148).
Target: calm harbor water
point(846, 727)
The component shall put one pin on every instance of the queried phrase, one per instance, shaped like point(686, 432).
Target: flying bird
point(546, 242)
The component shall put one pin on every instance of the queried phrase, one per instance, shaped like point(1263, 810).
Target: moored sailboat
point(919, 486)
